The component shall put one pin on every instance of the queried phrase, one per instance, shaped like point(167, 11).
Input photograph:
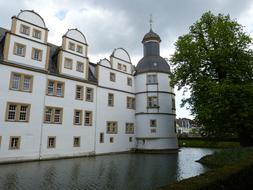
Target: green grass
point(207, 143)
point(227, 156)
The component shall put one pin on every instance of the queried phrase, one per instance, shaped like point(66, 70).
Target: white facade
point(59, 121)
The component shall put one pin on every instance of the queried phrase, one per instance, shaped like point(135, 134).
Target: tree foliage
point(215, 62)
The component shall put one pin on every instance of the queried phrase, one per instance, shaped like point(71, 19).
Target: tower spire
point(150, 21)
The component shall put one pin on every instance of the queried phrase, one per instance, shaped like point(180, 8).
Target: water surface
point(109, 172)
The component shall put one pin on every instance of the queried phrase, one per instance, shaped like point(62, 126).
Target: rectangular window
point(78, 117)
point(53, 115)
point(101, 137)
point(152, 79)
point(21, 82)
point(129, 128)
point(124, 68)
point(130, 139)
point(36, 33)
point(71, 46)
point(152, 102)
point(55, 88)
point(68, 63)
point(17, 112)
point(88, 118)
point(76, 142)
point(79, 49)
point(24, 29)
point(152, 130)
point(79, 66)
point(0, 140)
point(112, 77)
point(119, 66)
point(111, 139)
point(14, 143)
point(152, 123)
point(112, 127)
point(51, 142)
point(36, 54)
point(129, 81)
point(89, 94)
point(130, 103)
point(19, 49)
point(110, 99)
point(79, 92)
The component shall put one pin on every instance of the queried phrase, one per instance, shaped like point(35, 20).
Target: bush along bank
point(235, 175)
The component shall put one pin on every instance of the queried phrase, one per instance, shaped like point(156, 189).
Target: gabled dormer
point(72, 57)
point(26, 42)
point(120, 60)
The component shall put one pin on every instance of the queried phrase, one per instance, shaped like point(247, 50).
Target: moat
point(108, 172)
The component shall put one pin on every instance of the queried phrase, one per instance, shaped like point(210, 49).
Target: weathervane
point(150, 21)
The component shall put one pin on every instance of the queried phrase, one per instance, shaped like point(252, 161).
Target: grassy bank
point(227, 156)
point(233, 170)
point(204, 143)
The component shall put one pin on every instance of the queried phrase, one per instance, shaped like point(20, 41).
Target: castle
point(55, 103)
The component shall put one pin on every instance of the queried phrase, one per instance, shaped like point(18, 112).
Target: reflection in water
point(122, 171)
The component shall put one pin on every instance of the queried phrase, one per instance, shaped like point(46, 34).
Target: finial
point(150, 21)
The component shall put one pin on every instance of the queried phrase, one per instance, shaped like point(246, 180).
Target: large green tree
point(214, 61)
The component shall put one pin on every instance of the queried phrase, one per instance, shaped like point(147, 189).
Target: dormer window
point(36, 33)
point(37, 54)
point(71, 46)
point(112, 77)
point(79, 49)
point(79, 66)
point(124, 68)
point(25, 29)
point(19, 49)
point(119, 66)
point(68, 63)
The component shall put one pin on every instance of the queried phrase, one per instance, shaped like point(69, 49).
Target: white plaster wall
point(43, 31)
point(66, 131)
point(115, 62)
point(157, 144)
point(29, 132)
point(32, 18)
point(122, 54)
point(27, 60)
point(118, 113)
point(121, 80)
point(73, 72)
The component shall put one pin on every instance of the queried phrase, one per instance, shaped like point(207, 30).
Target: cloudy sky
point(108, 24)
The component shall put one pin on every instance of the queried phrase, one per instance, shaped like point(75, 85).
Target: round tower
point(155, 99)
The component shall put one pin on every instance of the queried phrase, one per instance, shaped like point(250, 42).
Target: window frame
point(91, 94)
point(82, 70)
point(22, 26)
point(112, 127)
point(34, 32)
point(55, 84)
point(39, 55)
point(15, 52)
point(101, 137)
point(129, 81)
point(153, 123)
point(81, 92)
point(129, 128)
point(21, 82)
point(70, 45)
point(18, 143)
point(151, 102)
point(153, 80)
point(70, 67)
point(90, 118)
point(80, 117)
point(52, 115)
point(110, 102)
point(17, 112)
point(130, 102)
point(79, 47)
point(48, 140)
point(112, 77)
point(79, 141)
